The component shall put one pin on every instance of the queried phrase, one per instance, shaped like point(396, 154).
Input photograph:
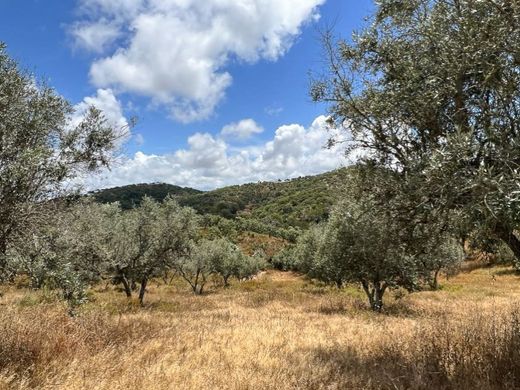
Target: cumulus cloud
point(176, 51)
point(209, 162)
point(242, 130)
point(95, 37)
point(106, 101)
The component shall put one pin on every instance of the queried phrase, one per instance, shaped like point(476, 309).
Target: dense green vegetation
point(131, 196)
point(430, 91)
point(283, 204)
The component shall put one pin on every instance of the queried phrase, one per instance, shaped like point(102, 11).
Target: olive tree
point(444, 255)
point(249, 266)
point(215, 257)
point(36, 255)
point(285, 260)
point(71, 285)
point(65, 251)
point(86, 227)
point(430, 92)
point(198, 264)
point(148, 240)
point(40, 148)
point(310, 259)
point(358, 245)
point(227, 260)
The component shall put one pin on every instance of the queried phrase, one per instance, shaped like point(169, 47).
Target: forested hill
point(131, 195)
point(295, 202)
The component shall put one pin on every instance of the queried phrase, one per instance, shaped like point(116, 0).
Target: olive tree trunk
point(434, 282)
point(375, 292)
point(510, 239)
point(142, 290)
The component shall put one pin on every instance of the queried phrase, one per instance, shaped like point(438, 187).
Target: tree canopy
point(430, 93)
point(41, 148)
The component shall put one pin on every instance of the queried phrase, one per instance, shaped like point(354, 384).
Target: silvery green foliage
point(247, 224)
point(216, 257)
point(358, 245)
point(72, 287)
point(36, 255)
point(249, 266)
point(431, 92)
point(285, 260)
point(66, 250)
point(306, 253)
point(198, 264)
point(83, 243)
point(445, 254)
point(216, 226)
point(86, 229)
point(228, 261)
point(40, 149)
point(225, 259)
point(148, 240)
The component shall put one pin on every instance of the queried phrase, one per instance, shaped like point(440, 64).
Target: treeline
point(131, 196)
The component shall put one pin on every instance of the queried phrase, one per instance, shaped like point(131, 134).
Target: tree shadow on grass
point(481, 352)
point(388, 367)
point(507, 272)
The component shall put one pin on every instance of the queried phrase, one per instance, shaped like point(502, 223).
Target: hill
point(290, 203)
point(131, 195)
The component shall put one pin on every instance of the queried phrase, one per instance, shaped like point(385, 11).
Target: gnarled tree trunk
point(510, 239)
point(142, 290)
point(375, 294)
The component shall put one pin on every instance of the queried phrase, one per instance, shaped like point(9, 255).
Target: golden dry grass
point(276, 332)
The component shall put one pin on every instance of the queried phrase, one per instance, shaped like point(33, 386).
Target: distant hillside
point(131, 195)
point(295, 202)
point(303, 201)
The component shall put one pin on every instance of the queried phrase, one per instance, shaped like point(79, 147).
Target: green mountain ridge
point(291, 203)
point(130, 196)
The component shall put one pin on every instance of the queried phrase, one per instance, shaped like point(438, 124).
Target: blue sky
point(187, 69)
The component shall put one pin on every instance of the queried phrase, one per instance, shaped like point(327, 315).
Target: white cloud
point(176, 51)
point(112, 8)
point(95, 37)
point(106, 101)
point(210, 162)
point(244, 129)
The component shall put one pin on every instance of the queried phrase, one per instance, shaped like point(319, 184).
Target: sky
point(219, 88)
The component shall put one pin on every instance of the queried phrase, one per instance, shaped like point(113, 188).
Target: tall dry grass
point(278, 332)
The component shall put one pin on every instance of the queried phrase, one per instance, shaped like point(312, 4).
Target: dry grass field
point(277, 332)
